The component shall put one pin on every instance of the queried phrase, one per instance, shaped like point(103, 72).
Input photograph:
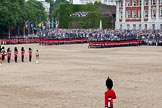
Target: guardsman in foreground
point(109, 94)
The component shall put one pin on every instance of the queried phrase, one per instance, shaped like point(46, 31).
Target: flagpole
point(24, 31)
point(33, 30)
point(52, 24)
point(100, 24)
point(18, 31)
point(36, 27)
point(9, 33)
point(28, 31)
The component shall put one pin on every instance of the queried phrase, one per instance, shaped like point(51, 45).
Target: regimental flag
point(11, 29)
point(21, 28)
point(39, 25)
point(42, 23)
point(26, 24)
point(48, 22)
point(35, 24)
point(52, 24)
point(57, 24)
point(31, 24)
point(47, 25)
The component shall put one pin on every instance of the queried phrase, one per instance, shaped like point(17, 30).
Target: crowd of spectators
point(148, 36)
point(79, 14)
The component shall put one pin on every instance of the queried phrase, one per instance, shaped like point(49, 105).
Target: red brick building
point(138, 14)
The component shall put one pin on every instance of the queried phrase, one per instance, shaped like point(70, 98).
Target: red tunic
point(9, 54)
point(15, 53)
point(109, 96)
point(3, 53)
point(22, 53)
point(30, 53)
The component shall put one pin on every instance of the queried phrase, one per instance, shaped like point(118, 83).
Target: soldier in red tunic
point(109, 94)
point(15, 54)
point(3, 53)
point(8, 55)
point(22, 54)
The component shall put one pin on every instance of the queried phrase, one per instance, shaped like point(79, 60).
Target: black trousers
point(30, 57)
point(9, 59)
point(15, 59)
point(22, 58)
point(3, 57)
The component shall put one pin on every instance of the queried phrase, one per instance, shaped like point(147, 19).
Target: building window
point(120, 26)
point(139, 2)
point(160, 26)
point(153, 26)
point(140, 26)
point(145, 26)
point(153, 13)
point(139, 14)
point(153, 2)
point(128, 2)
point(121, 14)
point(134, 26)
point(146, 13)
point(161, 13)
point(127, 14)
point(134, 2)
point(121, 4)
point(128, 26)
point(134, 14)
point(160, 2)
point(146, 2)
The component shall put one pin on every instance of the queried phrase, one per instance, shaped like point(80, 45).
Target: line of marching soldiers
point(3, 53)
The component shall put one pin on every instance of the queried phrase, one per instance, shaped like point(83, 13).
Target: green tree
point(61, 2)
point(10, 12)
point(55, 8)
point(97, 3)
point(50, 1)
point(90, 21)
point(34, 11)
point(14, 13)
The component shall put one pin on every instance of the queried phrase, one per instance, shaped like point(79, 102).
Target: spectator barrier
point(114, 43)
point(19, 41)
point(62, 41)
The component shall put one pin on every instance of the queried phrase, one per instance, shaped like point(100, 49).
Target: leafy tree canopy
point(14, 13)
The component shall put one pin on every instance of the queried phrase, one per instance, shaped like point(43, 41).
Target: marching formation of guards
point(6, 54)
